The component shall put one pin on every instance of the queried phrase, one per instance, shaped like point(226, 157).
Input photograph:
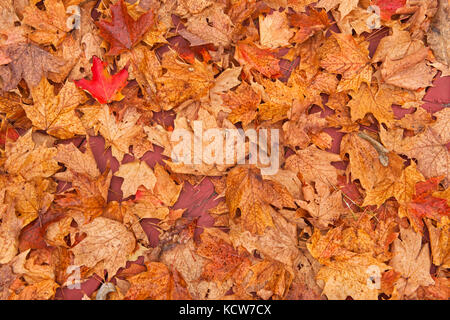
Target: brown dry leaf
point(29, 62)
point(350, 277)
point(90, 185)
point(368, 164)
point(331, 245)
point(29, 160)
point(9, 233)
point(71, 51)
point(107, 242)
point(120, 135)
point(304, 285)
point(223, 261)
point(35, 266)
point(270, 279)
point(89, 41)
point(194, 116)
point(76, 161)
point(274, 30)
point(58, 231)
point(438, 291)
point(262, 60)
point(412, 260)
point(411, 72)
point(370, 100)
point(416, 121)
point(439, 242)
point(314, 165)
point(309, 24)
point(6, 279)
point(243, 103)
point(195, 7)
point(344, 6)
point(135, 174)
point(31, 198)
point(147, 205)
point(56, 113)
point(157, 283)
point(165, 187)
point(247, 191)
point(404, 62)
point(144, 67)
point(325, 207)
point(356, 20)
point(194, 80)
point(437, 38)
point(50, 25)
point(402, 188)
point(279, 99)
point(429, 148)
point(190, 265)
point(350, 59)
point(345, 242)
point(396, 45)
point(227, 80)
point(11, 105)
point(43, 290)
point(279, 242)
point(305, 129)
point(211, 26)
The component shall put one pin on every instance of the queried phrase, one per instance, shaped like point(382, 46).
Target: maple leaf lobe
point(104, 87)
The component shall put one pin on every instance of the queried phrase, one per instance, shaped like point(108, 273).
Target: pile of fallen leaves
point(91, 205)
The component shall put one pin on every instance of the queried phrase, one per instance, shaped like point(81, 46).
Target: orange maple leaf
point(424, 204)
point(262, 60)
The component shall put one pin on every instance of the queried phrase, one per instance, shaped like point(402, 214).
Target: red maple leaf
point(123, 32)
point(425, 205)
point(104, 87)
point(388, 7)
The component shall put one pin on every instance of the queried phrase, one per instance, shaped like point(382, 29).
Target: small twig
point(382, 151)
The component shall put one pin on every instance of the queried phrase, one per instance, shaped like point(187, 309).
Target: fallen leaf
point(104, 87)
point(429, 148)
point(29, 62)
point(351, 278)
point(123, 32)
point(120, 135)
point(314, 165)
point(388, 8)
point(351, 61)
point(9, 233)
point(56, 113)
point(262, 60)
point(437, 38)
point(135, 174)
point(49, 26)
point(412, 260)
point(439, 242)
point(247, 191)
point(157, 283)
point(107, 242)
point(274, 30)
point(29, 160)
